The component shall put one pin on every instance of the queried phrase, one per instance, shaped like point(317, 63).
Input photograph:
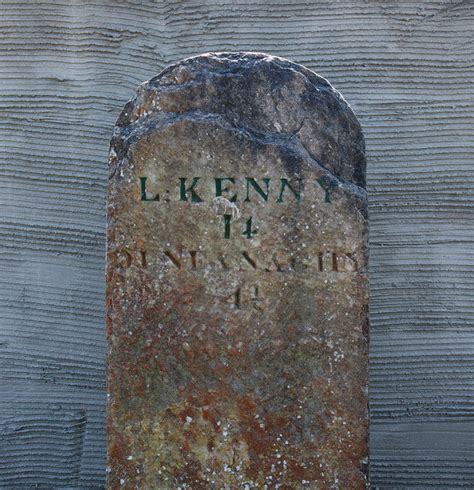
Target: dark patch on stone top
point(262, 94)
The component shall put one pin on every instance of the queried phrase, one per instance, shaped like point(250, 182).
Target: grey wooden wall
point(67, 67)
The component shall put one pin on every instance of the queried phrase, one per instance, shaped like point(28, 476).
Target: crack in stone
point(145, 125)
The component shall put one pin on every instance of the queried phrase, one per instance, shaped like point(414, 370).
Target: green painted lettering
point(220, 189)
point(327, 186)
point(144, 196)
point(248, 232)
point(183, 191)
point(296, 193)
point(227, 218)
point(256, 186)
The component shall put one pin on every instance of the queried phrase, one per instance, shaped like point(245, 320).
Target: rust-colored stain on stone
point(237, 281)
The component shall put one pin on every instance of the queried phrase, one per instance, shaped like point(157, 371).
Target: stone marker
point(237, 281)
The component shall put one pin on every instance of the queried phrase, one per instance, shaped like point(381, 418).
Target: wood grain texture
point(68, 68)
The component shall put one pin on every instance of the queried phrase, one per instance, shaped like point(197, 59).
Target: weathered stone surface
point(237, 282)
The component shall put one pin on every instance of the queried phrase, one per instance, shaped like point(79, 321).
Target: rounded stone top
point(261, 95)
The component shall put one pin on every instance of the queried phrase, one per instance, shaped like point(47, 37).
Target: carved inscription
point(254, 189)
point(195, 260)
